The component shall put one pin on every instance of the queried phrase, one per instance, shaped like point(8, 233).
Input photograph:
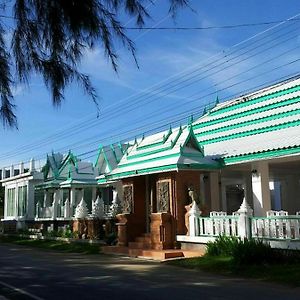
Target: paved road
point(27, 273)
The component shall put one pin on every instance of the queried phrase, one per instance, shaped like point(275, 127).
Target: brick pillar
point(162, 231)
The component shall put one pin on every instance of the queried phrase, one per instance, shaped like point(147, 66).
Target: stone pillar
point(122, 225)
point(30, 201)
point(162, 231)
point(261, 189)
point(214, 191)
point(244, 224)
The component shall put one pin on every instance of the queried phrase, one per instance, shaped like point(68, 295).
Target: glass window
point(22, 200)
point(11, 201)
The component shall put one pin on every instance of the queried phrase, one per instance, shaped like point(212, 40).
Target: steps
point(142, 248)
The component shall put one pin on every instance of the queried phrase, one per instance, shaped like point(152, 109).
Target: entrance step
point(143, 239)
point(115, 250)
point(139, 245)
point(152, 254)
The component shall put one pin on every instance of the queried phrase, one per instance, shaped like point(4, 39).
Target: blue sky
point(167, 60)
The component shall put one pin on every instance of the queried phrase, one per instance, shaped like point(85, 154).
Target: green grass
point(288, 273)
point(54, 245)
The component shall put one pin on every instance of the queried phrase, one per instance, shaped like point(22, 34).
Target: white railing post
point(194, 221)
point(67, 209)
point(244, 223)
point(37, 210)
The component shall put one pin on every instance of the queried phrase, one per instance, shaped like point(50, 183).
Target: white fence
point(278, 228)
point(64, 211)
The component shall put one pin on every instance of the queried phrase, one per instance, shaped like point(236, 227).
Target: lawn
point(288, 273)
point(54, 245)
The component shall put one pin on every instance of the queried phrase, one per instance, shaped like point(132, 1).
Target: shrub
point(252, 252)
point(243, 252)
point(222, 246)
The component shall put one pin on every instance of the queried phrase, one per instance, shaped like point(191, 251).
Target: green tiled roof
point(253, 126)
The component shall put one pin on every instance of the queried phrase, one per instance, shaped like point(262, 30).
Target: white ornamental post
point(244, 224)
point(194, 215)
point(81, 210)
point(98, 208)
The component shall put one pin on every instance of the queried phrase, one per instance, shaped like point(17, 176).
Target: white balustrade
point(278, 225)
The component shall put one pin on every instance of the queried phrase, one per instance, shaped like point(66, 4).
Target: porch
point(277, 228)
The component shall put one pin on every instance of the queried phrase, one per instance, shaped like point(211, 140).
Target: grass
point(288, 273)
point(54, 245)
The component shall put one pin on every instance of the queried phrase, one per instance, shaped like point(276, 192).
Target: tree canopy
point(49, 38)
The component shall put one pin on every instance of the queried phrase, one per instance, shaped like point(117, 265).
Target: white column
point(214, 191)
point(72, 196)
point(32, 165)
point(45, 198)
point(55, 203)
point(260, 188)
point(3, 173)
point(21, 167)
point(5, 202)
point(12, 171)
point(16, 200)
point(30, 201)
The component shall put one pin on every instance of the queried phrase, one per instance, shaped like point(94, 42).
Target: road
point(27, 273)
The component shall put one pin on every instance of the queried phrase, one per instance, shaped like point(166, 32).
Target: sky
point(180, 72)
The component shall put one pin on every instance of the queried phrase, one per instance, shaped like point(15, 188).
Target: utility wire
point(254, 47)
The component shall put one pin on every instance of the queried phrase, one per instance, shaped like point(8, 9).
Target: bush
point(243, 252)
point(252, 252)
point(222, 246)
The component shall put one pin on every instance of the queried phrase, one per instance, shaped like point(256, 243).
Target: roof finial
point(191, 119)
point(204, 111)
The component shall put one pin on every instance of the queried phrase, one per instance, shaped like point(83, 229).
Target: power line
point(247, 39)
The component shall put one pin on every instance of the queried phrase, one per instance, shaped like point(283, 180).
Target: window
point(22, 200)
point(11, 201)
